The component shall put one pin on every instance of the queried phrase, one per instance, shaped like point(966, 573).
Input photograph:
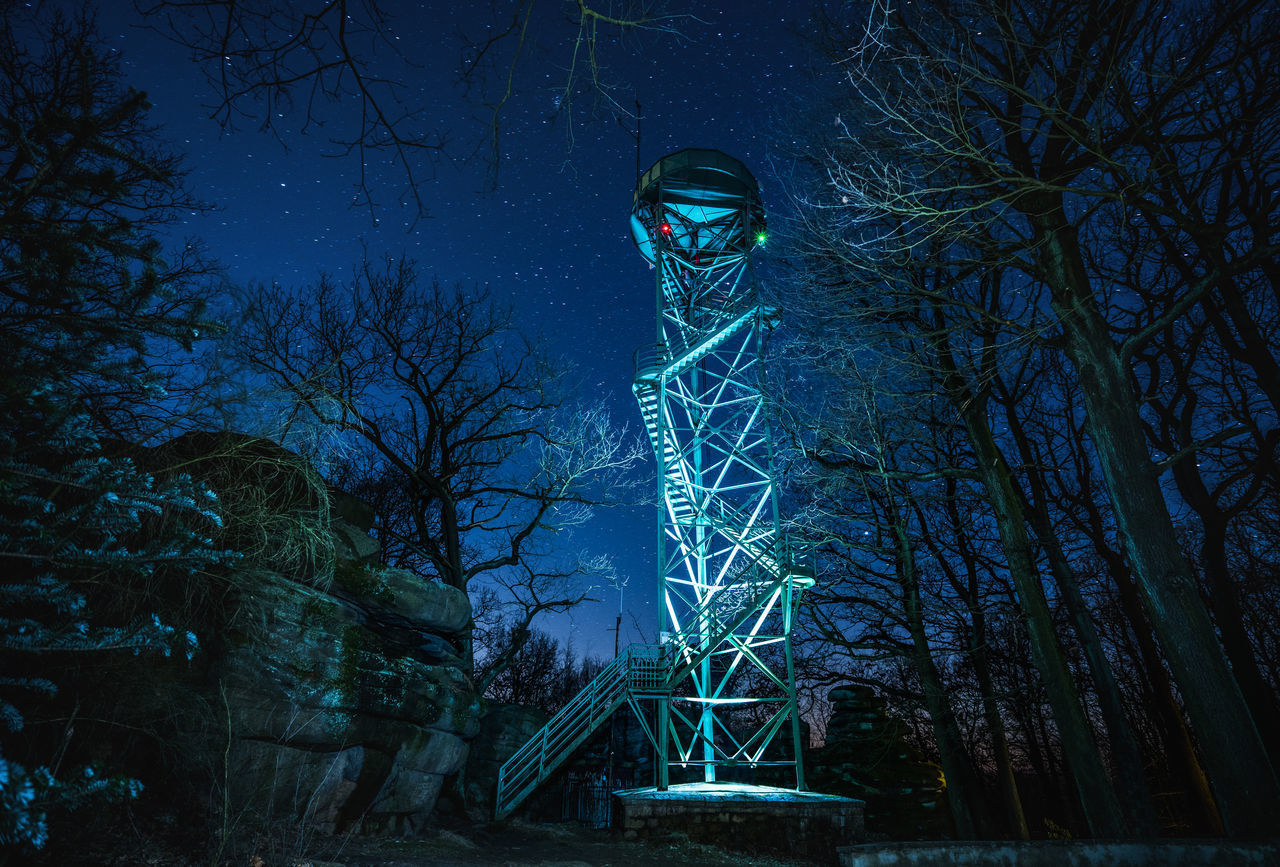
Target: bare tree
point(340, 66)
point(473, 454)
point(1012, 126)
point(544, 674)
point(948, 327)
point(857, 470)
point(1068, 475)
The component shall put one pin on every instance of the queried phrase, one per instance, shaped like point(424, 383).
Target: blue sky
point(552, 239)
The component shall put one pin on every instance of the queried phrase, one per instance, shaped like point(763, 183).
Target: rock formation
point(339, 684)
point(504, 729)
point(348, 706)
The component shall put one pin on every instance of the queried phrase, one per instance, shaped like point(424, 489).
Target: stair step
point(692, 355)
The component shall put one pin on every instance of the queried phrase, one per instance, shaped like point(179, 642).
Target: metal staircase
point(640, 669)
point(657, 363)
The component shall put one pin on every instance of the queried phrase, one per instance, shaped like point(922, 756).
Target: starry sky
point(552, 239)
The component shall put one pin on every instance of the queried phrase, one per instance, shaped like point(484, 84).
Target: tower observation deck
point(718, 690)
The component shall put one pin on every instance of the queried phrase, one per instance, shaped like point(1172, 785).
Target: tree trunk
point(1097, 798)
point(1237, 761)
point(1084, 762)
point(1179, 749)
point(1230, 619)
point(1226, 605)
point(1014, 817)
point(969, 590)
point(964, 789)
point(1131, 781)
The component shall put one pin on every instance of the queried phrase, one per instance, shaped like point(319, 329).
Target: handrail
point(667, 359)
point(639, 669)
point(634, 668)
point(650, 359)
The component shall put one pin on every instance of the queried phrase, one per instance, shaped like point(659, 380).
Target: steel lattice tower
point(719, 690)
point(729, 581)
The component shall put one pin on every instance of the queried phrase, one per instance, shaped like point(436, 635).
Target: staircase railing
point(648, 669)
point(640, 667)
point(670, 359)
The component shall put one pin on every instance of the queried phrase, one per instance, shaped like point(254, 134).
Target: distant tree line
point(1035, 407)
point(544, 673)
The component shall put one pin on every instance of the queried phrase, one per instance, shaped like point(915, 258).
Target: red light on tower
point(665, 228)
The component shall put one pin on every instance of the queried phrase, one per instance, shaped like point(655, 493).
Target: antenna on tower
point(635, 135)
point(639, 123)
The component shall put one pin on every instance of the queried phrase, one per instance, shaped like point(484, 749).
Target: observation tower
point(717, 693)
point(730, 582)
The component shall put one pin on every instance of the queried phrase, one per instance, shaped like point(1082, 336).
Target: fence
point(588, 796)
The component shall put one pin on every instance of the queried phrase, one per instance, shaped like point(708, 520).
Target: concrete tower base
point(757, 819)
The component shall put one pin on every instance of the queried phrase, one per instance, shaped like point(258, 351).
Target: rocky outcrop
point(349, 706)
point(341, 683)
point(504, 729)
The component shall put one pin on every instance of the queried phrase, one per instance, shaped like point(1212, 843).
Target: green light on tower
point(761, 237)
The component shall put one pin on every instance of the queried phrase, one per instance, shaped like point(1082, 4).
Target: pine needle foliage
point(86, 303)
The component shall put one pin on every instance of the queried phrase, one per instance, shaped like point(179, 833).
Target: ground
point(516, 844)
point(507, 844)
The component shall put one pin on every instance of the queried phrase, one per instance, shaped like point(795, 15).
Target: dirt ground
point(507, 844)
point(520, 844)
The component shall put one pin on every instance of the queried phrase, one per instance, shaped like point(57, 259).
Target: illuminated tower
point(729, 581)
point(718, 691)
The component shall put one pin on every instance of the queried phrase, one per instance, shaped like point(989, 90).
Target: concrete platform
point(757, 819)
point(1064, 853)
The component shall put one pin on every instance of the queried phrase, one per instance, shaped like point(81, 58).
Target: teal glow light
point(739, 792)
point(730, 581)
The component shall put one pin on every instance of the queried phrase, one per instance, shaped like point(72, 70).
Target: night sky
point(552, 240)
